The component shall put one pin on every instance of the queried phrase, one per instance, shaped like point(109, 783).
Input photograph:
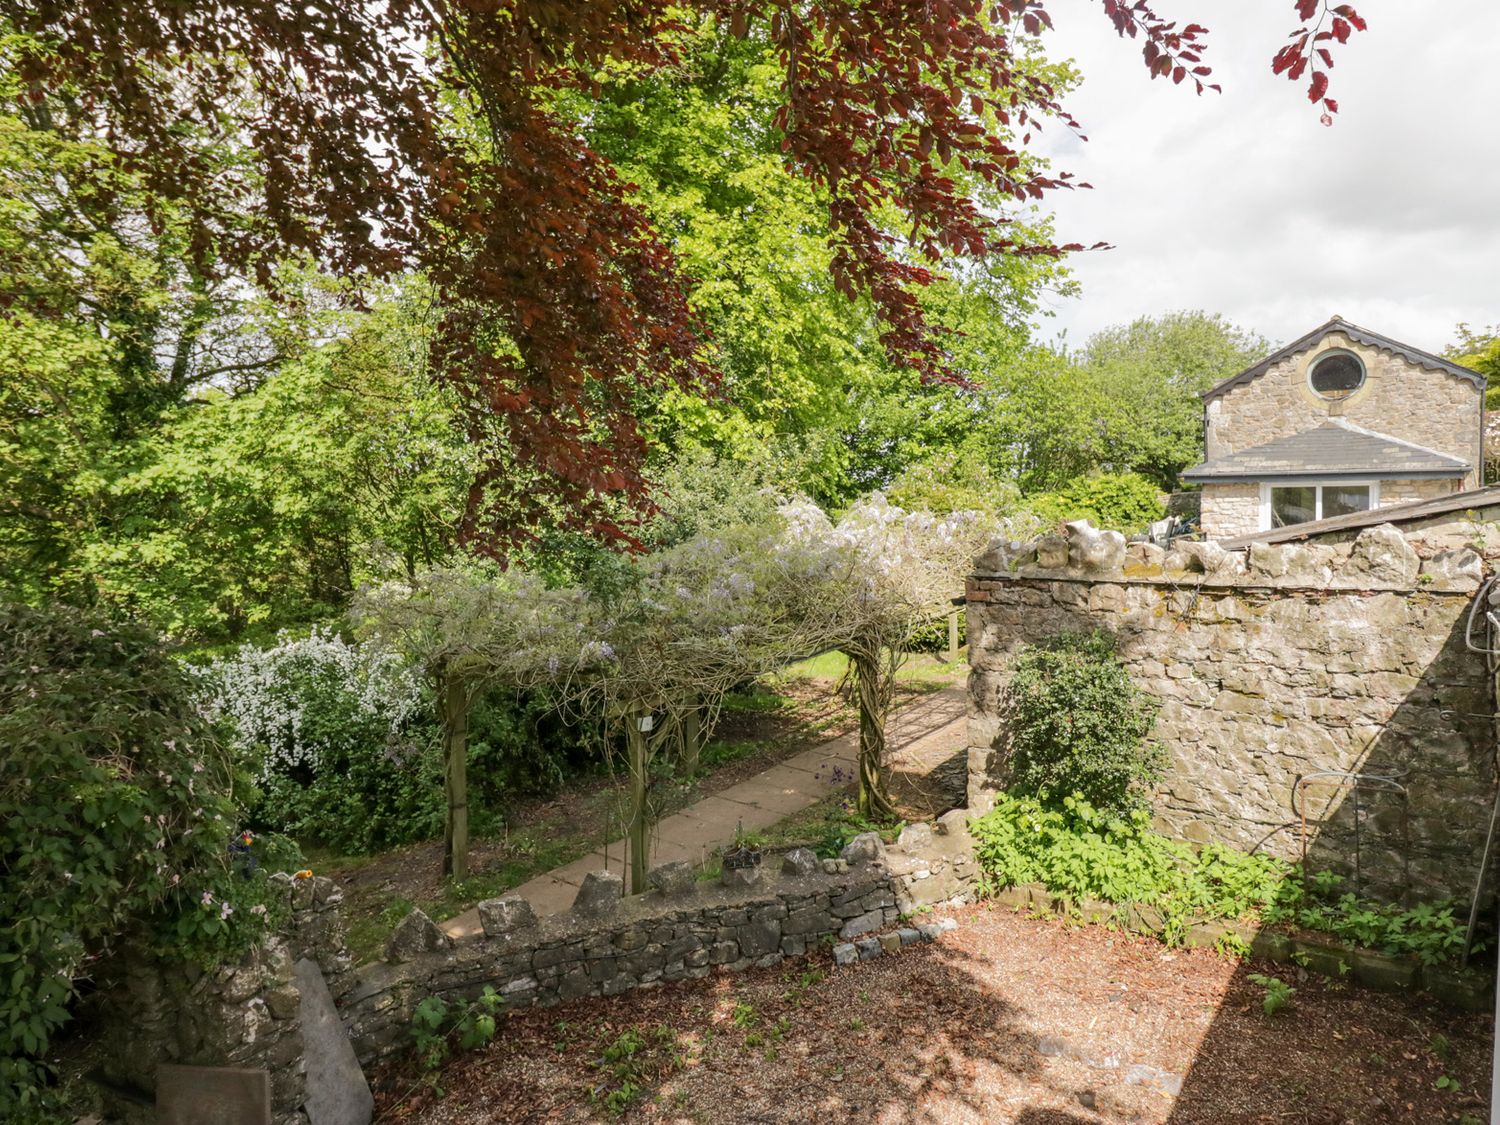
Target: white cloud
point(1243, 203)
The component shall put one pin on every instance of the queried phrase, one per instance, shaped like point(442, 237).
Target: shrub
point(340, 738)
point(115, 820)
point(519, 745)
point(1076, 724)
point(1123, 501)
point(1079, 850)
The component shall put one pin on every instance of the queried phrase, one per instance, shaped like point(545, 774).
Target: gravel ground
point(1006, 1019)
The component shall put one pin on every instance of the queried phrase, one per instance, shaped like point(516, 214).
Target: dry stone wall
point(245, 1014)
point(1273, 665)
point(684, 928)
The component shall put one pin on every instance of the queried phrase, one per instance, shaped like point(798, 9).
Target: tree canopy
point(377, 138)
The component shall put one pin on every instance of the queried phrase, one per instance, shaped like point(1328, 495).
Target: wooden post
point(638, 832)
point(692, 740)
point(456, 775)
point(953, 635)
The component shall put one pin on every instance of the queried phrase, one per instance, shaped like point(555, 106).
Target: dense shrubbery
point(1081, 852)
point(1077, 724)
point(343, 742)
point(1123, 501)
point(116, 816)
point(339, 738)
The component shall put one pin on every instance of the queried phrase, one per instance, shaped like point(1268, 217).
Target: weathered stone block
point(1052, 552)
point(1461, 570)
point(1381, 556)
point(508, 915)
point(800, 861)
point(1094, 550)
point(600, 894)
point(915, 837)
point(413, 936)
point(865, 848)
point(673, 879)
point(759, 938)
point(845, 954)
point(862, 924)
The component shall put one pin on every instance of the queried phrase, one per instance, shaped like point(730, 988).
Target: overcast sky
point(1242, 203)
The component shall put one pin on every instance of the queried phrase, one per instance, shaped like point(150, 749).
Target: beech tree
point(560, 302)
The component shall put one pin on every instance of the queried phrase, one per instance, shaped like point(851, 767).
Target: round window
point(1337, 374)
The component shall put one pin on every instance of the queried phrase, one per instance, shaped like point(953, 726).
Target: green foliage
point(956, 480)
point(632, 1062)
point(1077, 724)
point(1078, 851)
point(1278, 994)
point(1120, 501)
point(1081, 851)
point(116, 816)
point(438, 1028)
point(1148, 376)
point(1430, 932)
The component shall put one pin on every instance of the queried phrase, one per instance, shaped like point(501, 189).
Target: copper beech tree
point(381, 136)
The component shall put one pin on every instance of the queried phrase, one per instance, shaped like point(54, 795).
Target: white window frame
point(1266, 485)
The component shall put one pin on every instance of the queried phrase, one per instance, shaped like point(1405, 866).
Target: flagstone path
point(923, 736)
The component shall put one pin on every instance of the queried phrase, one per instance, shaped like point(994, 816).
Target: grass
point(919, 669)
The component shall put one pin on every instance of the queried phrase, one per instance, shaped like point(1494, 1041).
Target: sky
point(1242, 203)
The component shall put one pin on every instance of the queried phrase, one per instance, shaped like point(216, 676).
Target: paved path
point(922, 736)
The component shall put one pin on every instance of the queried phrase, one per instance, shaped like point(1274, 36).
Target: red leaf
point(1317, 87)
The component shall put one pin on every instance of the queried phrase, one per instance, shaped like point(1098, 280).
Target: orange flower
point(306, 873)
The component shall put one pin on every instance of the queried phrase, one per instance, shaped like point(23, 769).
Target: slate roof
point(1358, 335)
point(1481, 503)
point(1334, 449)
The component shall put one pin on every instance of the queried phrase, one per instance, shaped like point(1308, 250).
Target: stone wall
point(1227, 510)
point(1400, 398)
point(684, 928)
point(245, 1014)
point(253, 1013)
point(1270, 665)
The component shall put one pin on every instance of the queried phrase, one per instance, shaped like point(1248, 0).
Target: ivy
point(116, 820)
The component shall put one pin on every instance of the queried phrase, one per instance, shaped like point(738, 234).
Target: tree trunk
point(639, 829)
point(692, 740)
point(455, 701)
point(874, 682)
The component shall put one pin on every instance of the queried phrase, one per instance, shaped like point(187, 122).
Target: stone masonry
point(677, 931)
point(243, 1014)
point(1428, 408)
point(247, 1014)
point(1270, 665)
point(1400, 398)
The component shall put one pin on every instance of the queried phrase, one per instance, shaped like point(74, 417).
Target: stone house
point(1340, 421)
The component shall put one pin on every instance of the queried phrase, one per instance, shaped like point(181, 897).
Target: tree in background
point(1148, 378)
point(1480, 351)
point(559, 300)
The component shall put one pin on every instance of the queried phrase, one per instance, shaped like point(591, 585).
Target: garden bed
point(1007, 1019)
point(1471, 989)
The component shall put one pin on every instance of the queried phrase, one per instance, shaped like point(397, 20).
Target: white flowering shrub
point(337, 735)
